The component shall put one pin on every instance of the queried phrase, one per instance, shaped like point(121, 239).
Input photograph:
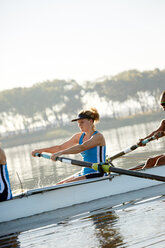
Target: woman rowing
point(159, 132)
point(89, 142)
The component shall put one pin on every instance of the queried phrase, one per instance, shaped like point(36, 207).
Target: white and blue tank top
point(96, 154)
point(5, 189)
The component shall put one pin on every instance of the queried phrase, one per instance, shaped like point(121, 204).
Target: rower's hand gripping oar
point(106, 167)
point(66, 160)
point(132, 148)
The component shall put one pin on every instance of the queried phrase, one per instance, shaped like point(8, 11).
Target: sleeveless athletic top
point(94, 155)
point(5, 190)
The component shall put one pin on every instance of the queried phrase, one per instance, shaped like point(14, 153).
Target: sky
point(82, 40)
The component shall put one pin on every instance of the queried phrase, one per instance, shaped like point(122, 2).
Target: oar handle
point(148, 140)
point(42, 155)
point(66, 160)
point(145, 141)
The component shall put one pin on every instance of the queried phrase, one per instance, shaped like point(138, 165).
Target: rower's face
point(84, 124)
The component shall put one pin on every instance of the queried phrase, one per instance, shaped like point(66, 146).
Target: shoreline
point(67, 131)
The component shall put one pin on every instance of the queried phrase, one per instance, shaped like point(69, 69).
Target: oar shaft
point(132, 148)
point(109, 168)
point(137, 174)
point(125, 151)
point(74, 162)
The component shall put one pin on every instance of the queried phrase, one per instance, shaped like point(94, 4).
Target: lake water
point(139, 223)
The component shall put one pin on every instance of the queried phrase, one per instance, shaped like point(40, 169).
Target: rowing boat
point(42, 200)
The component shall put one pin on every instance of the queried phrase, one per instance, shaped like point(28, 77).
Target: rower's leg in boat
point(151, 162)
point(78, 178)
point(138, 167)
point(72, 179)
point(160, 161)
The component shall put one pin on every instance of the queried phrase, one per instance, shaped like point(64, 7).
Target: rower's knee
point(160, 161)
point(150, 163)
point(2, 156)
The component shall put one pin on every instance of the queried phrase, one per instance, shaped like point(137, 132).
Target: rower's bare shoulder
point(100, 135)
point(101, 138)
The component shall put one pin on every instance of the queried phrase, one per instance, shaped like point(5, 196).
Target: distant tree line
point(54, 103)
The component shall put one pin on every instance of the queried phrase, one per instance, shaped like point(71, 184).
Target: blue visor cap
point(82, 116)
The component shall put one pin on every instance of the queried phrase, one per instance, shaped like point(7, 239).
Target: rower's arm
point(159, 132)
point(96, 140)
point(53, 149)
point(161, 128)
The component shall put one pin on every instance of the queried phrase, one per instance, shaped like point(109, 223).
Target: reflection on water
point(105, 231)
point(39, 172)
point(10, 241)
point(138, 224)
point(148, 229)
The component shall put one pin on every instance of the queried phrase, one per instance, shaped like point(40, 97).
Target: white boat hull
point(60, 196)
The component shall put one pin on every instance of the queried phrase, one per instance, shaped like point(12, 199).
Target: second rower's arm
point(157, 133)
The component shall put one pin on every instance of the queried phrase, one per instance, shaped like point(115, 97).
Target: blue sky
point(78, 39)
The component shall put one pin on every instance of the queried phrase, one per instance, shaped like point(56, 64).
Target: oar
point(130, 149)
point(106, 167)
